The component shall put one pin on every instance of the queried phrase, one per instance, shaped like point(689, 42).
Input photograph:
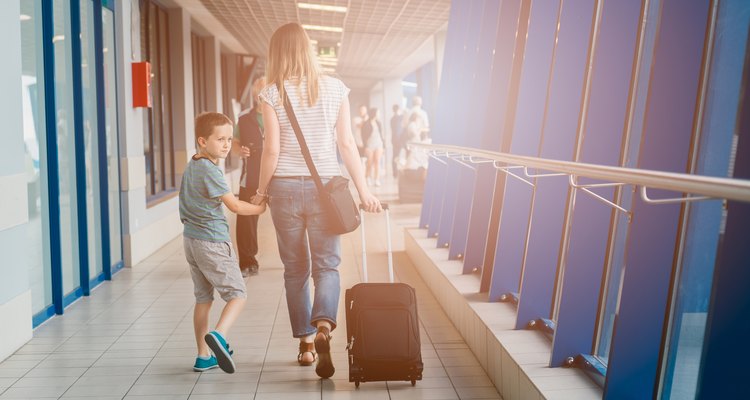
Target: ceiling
point(380, 38)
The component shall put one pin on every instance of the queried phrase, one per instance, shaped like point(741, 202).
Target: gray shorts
point(214, 265)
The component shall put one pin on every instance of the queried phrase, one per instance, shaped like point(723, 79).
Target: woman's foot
point(306, 355)
point(324, 369)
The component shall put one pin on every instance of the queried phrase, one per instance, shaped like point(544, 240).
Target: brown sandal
point(306, 348)
point(325, 368)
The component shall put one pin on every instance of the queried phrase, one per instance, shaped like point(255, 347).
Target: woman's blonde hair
point(290, 56)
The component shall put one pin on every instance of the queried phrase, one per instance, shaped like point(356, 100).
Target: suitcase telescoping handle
point(388, 243)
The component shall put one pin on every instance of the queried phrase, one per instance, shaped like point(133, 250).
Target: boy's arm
point(240, 207)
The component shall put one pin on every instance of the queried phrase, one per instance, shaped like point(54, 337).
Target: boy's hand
point(259, 200)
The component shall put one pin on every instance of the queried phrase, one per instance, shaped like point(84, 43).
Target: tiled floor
point(133, 337)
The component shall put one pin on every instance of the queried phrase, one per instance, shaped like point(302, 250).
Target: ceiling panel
point(378, 35)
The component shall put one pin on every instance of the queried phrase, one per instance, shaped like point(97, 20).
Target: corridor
point(133, 338)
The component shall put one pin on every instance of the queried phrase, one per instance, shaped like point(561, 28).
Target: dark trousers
point(247, 225)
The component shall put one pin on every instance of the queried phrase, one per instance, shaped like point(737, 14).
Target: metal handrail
point(714, 187)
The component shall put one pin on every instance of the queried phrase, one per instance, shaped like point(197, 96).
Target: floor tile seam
point(453, 386)
point(152, 359)
point(99, 313)
point(268, 343)
point(132, 323)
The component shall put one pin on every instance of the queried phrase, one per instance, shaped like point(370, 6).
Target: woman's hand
point(245, 151)
point(369, 202)
point(259, 199)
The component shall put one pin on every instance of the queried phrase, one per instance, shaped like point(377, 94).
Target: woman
point(372, 135)
point(321, 105)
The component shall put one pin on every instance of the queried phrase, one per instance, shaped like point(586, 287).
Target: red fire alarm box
point(142, 84)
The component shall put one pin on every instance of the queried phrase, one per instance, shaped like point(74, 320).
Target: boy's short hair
point(207, 121)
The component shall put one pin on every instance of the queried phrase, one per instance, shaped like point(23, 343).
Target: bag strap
point(301, 140)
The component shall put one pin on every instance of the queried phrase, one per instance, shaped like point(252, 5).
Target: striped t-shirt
point(317, 124)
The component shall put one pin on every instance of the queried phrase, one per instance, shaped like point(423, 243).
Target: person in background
point(424, 120)
point(359, 123)
point(396, 137)
point(372, 135)
point(306, 245)
point(250, 127)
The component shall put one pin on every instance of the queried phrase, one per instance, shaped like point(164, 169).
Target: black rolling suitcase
point(382, 327)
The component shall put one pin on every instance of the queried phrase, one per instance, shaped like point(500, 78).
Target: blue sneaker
point(221, 350)
point(202, 364)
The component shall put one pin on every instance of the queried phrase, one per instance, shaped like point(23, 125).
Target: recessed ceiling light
point(321, 7)
point(336, 29)
point(57, 38)
point(408, 84)
point(25, 17)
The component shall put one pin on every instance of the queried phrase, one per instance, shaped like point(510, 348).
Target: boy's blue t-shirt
point(201, 212)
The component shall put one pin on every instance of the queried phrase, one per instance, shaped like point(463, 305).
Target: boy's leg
point(203, 291)
point(228, 315)
point(200, 324)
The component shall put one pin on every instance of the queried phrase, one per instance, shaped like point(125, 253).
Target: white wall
point(147, 228)
point(15, 297)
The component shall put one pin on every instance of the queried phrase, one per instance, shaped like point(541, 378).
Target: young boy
point(208, 248)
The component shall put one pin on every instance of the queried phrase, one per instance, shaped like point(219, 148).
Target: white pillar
point(439, 56)
point(213, 73)
point(15, 295)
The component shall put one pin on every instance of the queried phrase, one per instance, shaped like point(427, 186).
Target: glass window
point(616, 269)
point(232, 160)
point(34, 134)
point(158, 141)
point(200, 103)
point(66, 147)
point(91, 139)
point(110, 123)
point(706, 220)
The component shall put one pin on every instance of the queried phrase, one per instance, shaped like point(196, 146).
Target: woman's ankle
point(323, 324)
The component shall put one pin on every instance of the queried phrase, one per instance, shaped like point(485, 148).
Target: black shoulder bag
point(342, 211)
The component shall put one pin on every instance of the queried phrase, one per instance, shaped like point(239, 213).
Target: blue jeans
point(306, 247)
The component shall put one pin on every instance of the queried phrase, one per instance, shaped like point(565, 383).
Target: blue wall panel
point(508, 124)
point(472, 122)
point(458, 121)
point(453, 47)
point(492, 133)
point(511, 239)
point(653, 232)
point(558, 142)
point(591, 220)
